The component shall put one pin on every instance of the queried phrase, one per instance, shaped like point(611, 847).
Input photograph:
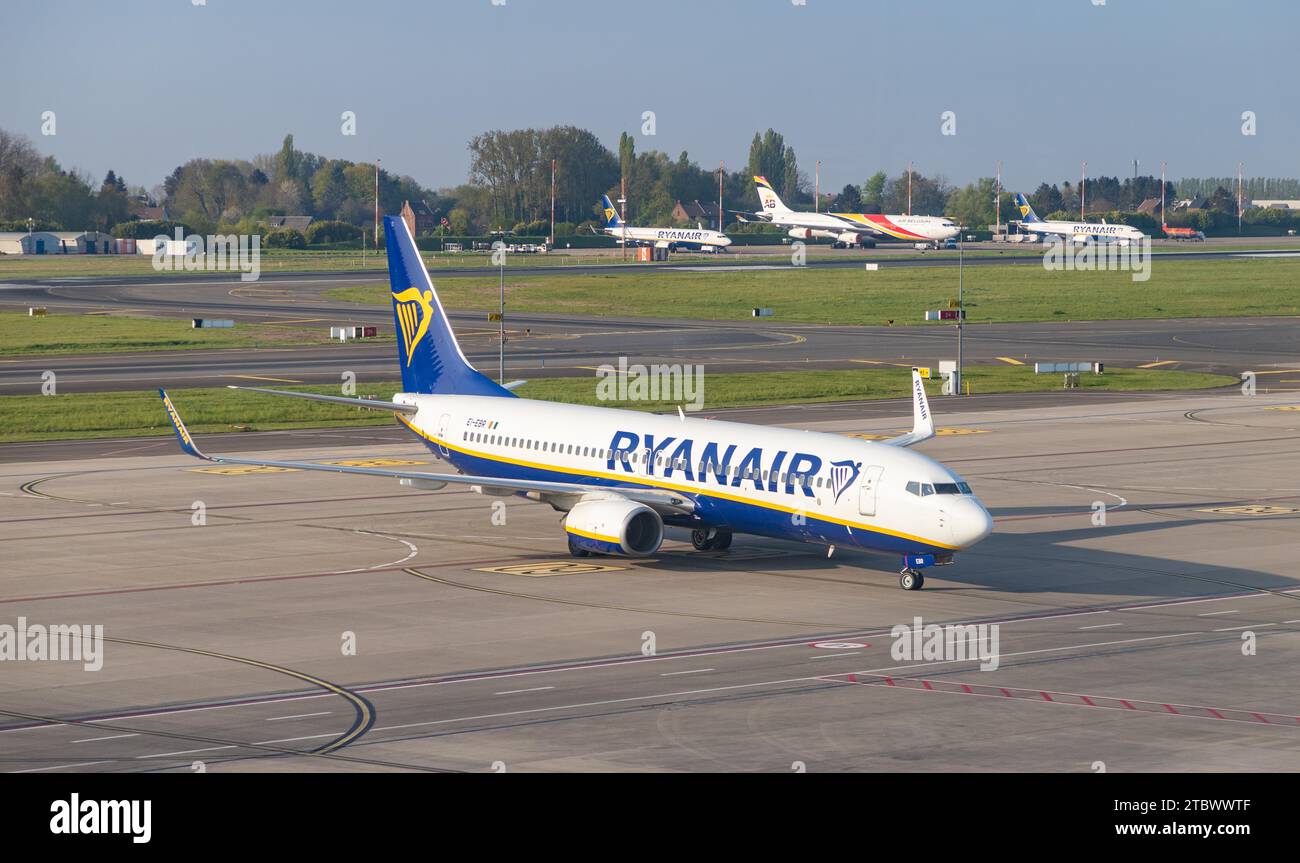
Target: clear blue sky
point(143, 85)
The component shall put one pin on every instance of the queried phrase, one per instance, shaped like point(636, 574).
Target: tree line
point(509, 189)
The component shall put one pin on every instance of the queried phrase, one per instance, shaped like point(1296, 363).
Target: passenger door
point(867, 489)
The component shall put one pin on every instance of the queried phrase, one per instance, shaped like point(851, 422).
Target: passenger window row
point(731, 471)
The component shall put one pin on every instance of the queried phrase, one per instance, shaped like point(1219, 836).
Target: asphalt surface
point(543, 345)
point(333, 624)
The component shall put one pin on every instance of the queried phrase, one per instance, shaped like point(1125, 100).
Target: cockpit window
point(951, 488)
point(925, 489)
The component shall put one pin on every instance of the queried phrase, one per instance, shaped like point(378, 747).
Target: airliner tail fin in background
point(1027, 213)
point(771, 202)
point(611, 214)
point(427, 353)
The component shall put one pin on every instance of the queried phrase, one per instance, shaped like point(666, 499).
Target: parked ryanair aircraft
point(620, 476)
point(851, 229)
point(663, 238)
point(1080, 232)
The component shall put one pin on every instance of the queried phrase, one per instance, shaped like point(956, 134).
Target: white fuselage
point(932, 228)
point(670, 236)
point(1085, 230)
point(807, 486)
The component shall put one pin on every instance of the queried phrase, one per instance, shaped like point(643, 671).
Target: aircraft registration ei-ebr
point(620, 476)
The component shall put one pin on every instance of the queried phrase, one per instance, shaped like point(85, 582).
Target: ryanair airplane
point(1080, 232)
point(620, 476)
point(663, 238)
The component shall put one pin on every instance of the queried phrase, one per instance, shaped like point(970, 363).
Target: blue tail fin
point(1027, 213)
point(427, 352)
point(611, 215)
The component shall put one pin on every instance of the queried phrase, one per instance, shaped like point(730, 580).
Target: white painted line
point(1213, 613)
point(520, 691)
point(298, 716)
point(691, 671)
point(1244, 626)
point(1100, 625)
point(109, 737)
point(187, 752)
point(739, 686)
point(835, 655)
point(58, 767)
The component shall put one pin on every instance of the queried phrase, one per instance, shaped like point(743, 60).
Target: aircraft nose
point(970, 522)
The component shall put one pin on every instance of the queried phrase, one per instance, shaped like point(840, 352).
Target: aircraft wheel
point(722, 541)
point(578, 552)
point(703, 539)
point(911, 579)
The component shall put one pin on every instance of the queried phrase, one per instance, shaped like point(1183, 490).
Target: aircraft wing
point(922, 419)
point(662, 500)
point(369, 404)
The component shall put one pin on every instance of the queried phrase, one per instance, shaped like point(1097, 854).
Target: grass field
point(1025, 292)
point(62, 334)
point(19, 267)
point(97, 415)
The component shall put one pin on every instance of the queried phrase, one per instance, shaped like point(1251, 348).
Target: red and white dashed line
point(1105, 702)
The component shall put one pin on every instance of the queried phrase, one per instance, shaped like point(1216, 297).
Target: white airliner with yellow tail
point(664, 238)
point(620, 476)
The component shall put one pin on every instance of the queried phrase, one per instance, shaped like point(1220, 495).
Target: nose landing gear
point(911, 578)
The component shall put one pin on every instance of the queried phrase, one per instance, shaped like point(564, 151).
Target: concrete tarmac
point(1141, 576)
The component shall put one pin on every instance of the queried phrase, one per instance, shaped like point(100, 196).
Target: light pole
point(376, 205)
point(501, 311)
point(622, 205)
point(31, 249)
point(961, 305)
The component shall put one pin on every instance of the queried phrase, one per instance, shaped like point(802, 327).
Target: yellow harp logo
point(414, 312)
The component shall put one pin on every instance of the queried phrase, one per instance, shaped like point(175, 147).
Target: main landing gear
point(711, 539)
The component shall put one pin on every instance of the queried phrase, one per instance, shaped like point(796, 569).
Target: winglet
point(182, 433)
point(922, 419)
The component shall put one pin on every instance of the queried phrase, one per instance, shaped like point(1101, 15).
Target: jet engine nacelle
point(614, 526)
point(809, 233)
point(848, 238)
